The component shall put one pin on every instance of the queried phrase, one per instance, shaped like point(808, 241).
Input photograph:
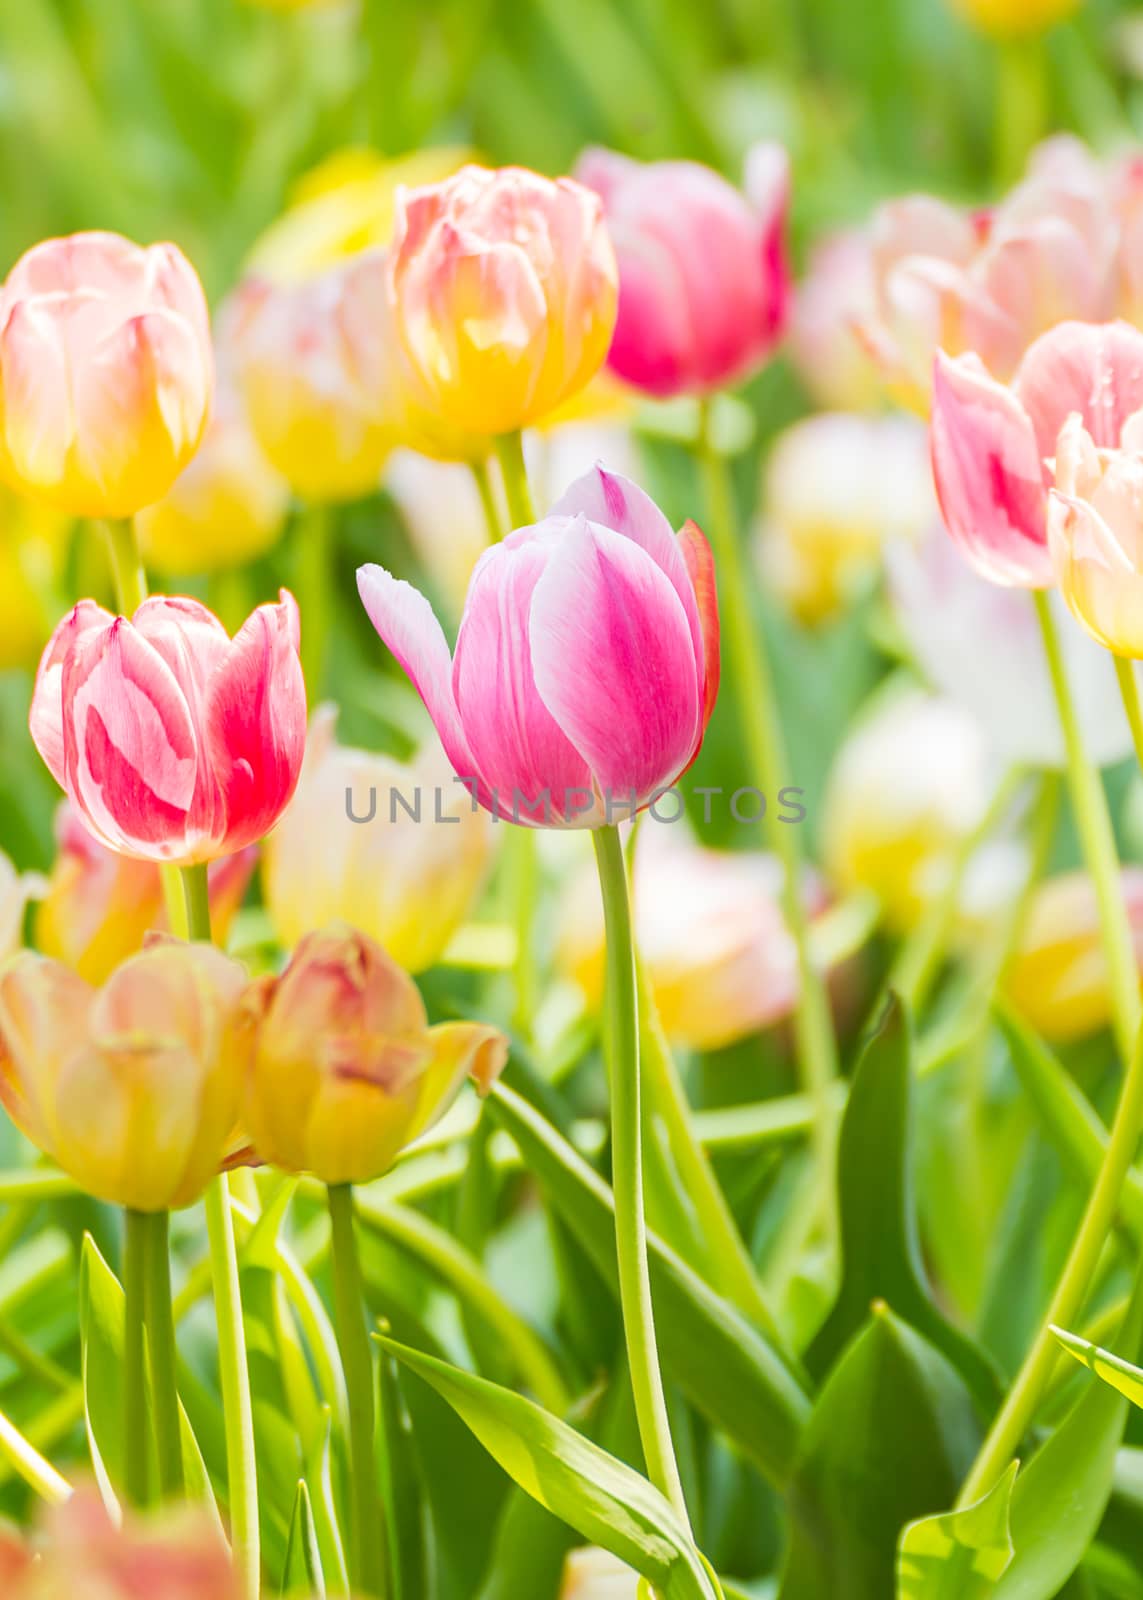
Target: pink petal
point(256, 723)
point(1095, 371)
point(45, 719)
point(37, 421)
point(518, 747)
point(405, 622)
point(614, 661)
point(1043, 273)
point(987, 470)
point(700, 567)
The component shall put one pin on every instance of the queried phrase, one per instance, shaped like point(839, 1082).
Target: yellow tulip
point(1013, 19)
point(348, 849)
point(1058, 977)
point(344, 1069)
point(16, 890)
point(132, 1088)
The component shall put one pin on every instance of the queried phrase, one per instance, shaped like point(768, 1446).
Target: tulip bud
point(396, 851)
point(593, 1574)
point(105, 373)
point(344, 1069)
point(172, 741)
point(1013, 19)
point(586, 665)
point(838, 487)
point(1058, 978)
point(703, 279)
point(226, 508)
point(504, 291)
point(132, 1088)
point(98, 906)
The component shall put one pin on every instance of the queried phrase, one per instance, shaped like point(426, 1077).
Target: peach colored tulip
point(1058, 976)
point(586, 665)
point(395, 850)
point(226, 508)
point(504, 289)
point(98, 906)
point(836, 296)
point(593, 1574)
point(105, 372)
point(344, 1069)
point(837, 489)
point(992, 445)
point(703, 279)
point(1095, 533)
point(172, 741)
point(17, 889)
point(133, 1088)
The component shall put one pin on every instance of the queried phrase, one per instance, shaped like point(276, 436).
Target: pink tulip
point(105, 372)
point(586, 665)
point(172, 741)
point(703, 279)
point(992, 445)
point(836, 296)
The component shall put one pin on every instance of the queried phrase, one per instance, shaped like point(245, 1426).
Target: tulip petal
point(256, 725)
point(460, 1050)
point(36, 414)
point(614, 660)
point(45, 720)
point(1102, 587)
point(44, 1008)
point(1096, 371)
point(700, 567)
point(988, 474)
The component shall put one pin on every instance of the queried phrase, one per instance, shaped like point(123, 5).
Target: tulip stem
point(1097, 840)
point(486, 489)
point(1021, 106)
point(161, 1345)
point(766, 748)
point(233, 1369)
point(130, 591)
point(621, 1048)
point(314, 554)
point(137, 1463)
point(510, 453)
point(370, 1564)
point(1129, 689)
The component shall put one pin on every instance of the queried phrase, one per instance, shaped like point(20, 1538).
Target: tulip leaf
point(397, 1474)
point(722, 1362)
point(302, 1567)
point(1120, 1374)
point(881, 1257)
point(892, 1434)
point(323, 1512)
point(958, 1555)
point(605, 1501)
point(102, 1311)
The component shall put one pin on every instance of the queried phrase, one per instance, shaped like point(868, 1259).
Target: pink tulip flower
point(586, 665)
point(993, 445)
point(105, 372)
point(703, 281)
point(172, 741)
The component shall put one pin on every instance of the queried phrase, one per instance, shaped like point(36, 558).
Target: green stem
point(369, 1568)
point(523, 867)
point(314, 554)
point(621, 1043)
point(487, 492)
point(161, 1347)
point(510, 454)
point(37, 1473)
point(136, 1449)
point(233, 1370)
point(1097, 840)
point(765, 745)
point(1129, 689)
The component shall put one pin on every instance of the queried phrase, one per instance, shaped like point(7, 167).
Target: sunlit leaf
point(958, 1555)
point(302, 1567)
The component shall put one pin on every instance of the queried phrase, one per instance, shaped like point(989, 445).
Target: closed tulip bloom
point(703, 280)
point(1013, 19)
point(1095, 532)
point(837, 489)
point(1058, 978)
point(132, 1088)
point(586, 665)
point(226, 508)
point(395, 850)
point(98, 906)
point(344, 1069)
point(992, 445)
point(173, 741)
point(504, 287)
point(105, 372)
point(593, 1574)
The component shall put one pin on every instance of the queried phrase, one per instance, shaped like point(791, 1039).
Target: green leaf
point(400, 1491)
point(302, 1567)
point(960, 1554)
point(605, 1501)
point(880, 1255)
point(893, 1432)
point(323, 1507)
point(723, 1364)
point(1120, 1374)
